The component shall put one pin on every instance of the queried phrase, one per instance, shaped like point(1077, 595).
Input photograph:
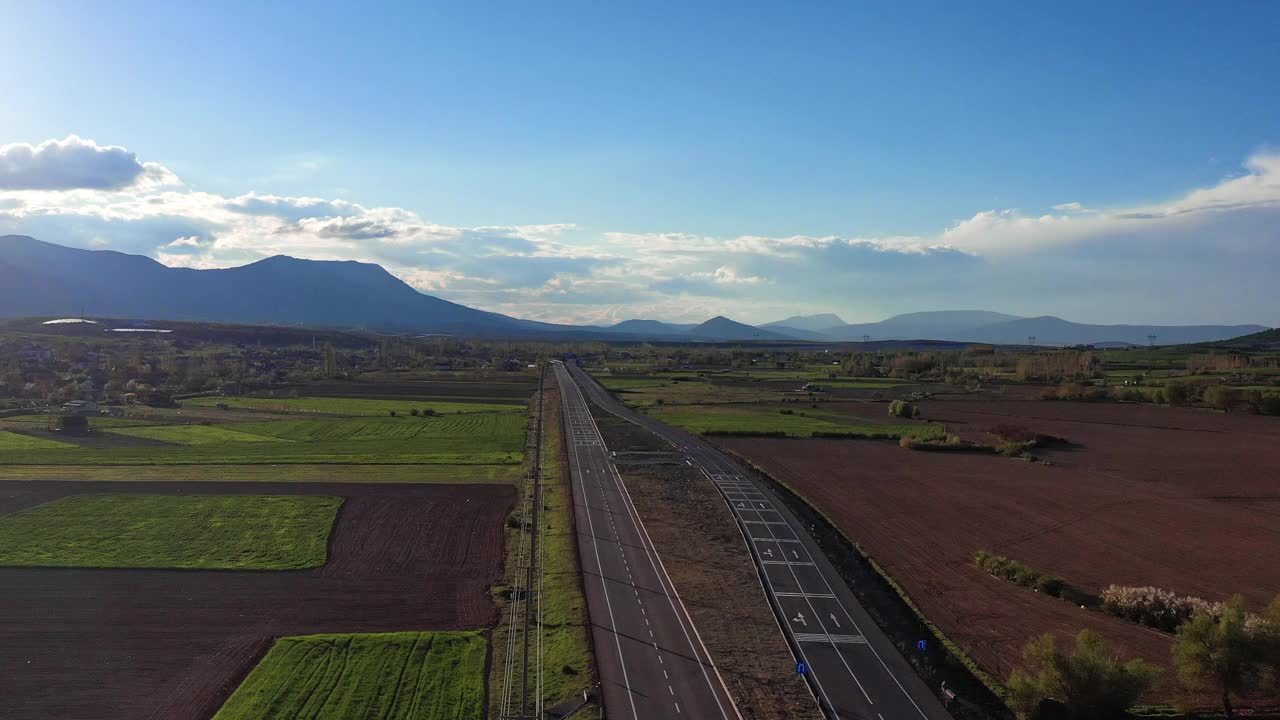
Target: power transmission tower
point(1031, 339)
point(1151, 340)
point(866, 338)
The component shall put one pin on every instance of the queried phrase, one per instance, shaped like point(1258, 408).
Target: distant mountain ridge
point(985, 326)
point(40, 279)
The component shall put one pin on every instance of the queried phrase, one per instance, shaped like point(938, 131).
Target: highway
point(652, 663)
point(853, 668)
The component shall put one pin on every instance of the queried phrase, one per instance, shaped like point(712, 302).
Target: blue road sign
point(801, 668)
point(921, 645)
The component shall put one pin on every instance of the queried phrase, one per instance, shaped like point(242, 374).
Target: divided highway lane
point(652, 662)
point(854, 669)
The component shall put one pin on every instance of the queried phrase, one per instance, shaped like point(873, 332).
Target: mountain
point(937, 325)
point(992, 327)
point(722, 328)
point(811, 323)
point(1049, 330)
point(649, 328)
point(43, 279)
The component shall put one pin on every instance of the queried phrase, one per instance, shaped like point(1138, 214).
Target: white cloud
point(103, 196)
point(727, 276)
point(75, 163)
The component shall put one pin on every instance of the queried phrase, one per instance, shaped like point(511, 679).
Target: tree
point(1220, 652)
point(1089, 684)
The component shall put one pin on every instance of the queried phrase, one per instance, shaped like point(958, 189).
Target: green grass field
point(377, 676)
point(190, 434)
point(294, 472)
point(351, 406)
point(222, 532)
point(626, 383)
point(16, 441)
point(469, 439)
point(767, 418)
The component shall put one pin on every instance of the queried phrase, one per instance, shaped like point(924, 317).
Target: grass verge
point(375, 676)
point(568, 664)
point(213, 532)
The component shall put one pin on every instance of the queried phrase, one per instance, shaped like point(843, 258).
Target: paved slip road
point(652, 662)
point(854, 670)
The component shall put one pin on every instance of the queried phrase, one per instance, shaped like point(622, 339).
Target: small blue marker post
point(802, 668)
point(921, 645)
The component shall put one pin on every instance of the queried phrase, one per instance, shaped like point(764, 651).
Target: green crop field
point(467, 439)
point(768, 419)
point(190, 434)
point(377, 676)
point(351, 406)
point(224, 532)
point(626, 383)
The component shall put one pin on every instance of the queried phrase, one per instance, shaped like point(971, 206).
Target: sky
point(593, 162)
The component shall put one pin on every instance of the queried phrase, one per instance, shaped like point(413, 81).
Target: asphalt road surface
point(652, 662)
point(853, 668)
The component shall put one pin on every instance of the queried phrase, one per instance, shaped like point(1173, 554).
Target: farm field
point(1142, 496)
point(147, 643)
point(216, 532)
point(351, 406)
point(797, 422)
point(388, 676)
point(264, 472)
point(466, 439)
point(511, 387)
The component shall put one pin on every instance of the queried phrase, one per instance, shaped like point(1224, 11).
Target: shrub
point(1013, 448)
point(1130, 395)
point(392, 413)
point(1155, 607)
point(903, 409)
point(73, 423)
point(1269, 405)
point(428, 412)
point(787, 411)
point(414, 412)
point(1089, 684)
point(1015, 572)
point(1176, 393)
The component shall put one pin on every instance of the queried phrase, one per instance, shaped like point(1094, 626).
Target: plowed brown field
point(160, 644)
point(1178, 498)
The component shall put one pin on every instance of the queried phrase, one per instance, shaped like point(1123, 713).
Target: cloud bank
point(1207, 255)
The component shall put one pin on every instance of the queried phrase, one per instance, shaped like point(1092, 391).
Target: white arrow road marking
point(800, 619)
point(834, 620)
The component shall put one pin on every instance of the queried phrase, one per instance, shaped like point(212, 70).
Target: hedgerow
point(1016, 572)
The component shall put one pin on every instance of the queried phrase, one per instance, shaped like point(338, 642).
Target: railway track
point(522, 680)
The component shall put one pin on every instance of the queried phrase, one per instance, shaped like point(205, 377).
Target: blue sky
point(590, 162)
